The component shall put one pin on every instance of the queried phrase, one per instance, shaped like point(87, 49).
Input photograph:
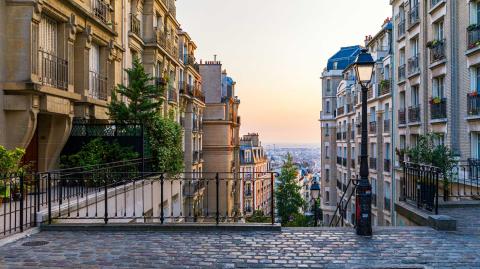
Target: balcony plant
point(428, 152)
point(472, 94)
point(435, 100)
point(473, 27)
point(434, 43)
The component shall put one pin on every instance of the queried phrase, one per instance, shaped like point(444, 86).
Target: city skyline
point(298, 50)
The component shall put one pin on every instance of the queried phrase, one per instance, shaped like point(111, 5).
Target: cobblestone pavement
point(307, 248)
point(468, 218)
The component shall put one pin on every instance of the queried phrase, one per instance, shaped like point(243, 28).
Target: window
point(328, 106)
point(327, 152)
point(335, 65)
point(475, 79)
point(402, 142)
point(402, 100)
point(402, 57)
point(48, 35)
point(475, 145)
point(373, 115)
point(353, 153)
point(387, 197)
point(374, 191)
point(413, 140)
point(327, 196)
point(415, 96)
point(327, 175)
point(414, 47)
point(386, 72)
point(387, 151)
point(474, 12)
point(387, 111)
point(438, 30)
point(438, 87)
point(439, 139)
point(327, 130)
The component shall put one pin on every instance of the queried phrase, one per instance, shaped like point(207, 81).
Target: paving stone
point(326, 248)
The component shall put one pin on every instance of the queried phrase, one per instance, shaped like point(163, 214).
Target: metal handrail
point(341, 210)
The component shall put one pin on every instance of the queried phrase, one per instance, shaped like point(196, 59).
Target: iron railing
point(135, 25)
point(372, 127)
point(437, 50)
point(52, 70)
point(97, 86)
point(413, 65)
point(154, 197)
point(438, 110)
point(433, 3)
point(413, 16)
point(473, 104)
point(401, 28)
point(372, 162)
point(101, 10)
point(172, 94)
point(414, 114)
point(401, 72)
point(342, 207)
point(473, 36)
point(463, 182)
point(340, 111)
point(402, 117)
point(385, 87)
point(420, 185)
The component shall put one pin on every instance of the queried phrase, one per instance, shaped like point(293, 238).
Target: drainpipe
point(424, 78)
point(393, 130)
point(454, 91)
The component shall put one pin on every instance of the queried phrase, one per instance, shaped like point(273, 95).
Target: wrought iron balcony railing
point(414, 114)
point(385, 87)
point(52, 70)
point(413, 16)
point(438, 108)
point(340, 111)
point(387, 165)
point(172, 94)
point(135, 25)
point(101, 10)
point(413, 65)
point(401, 28)
point(372, 127)
point(473, 104)
point(402, 117)
point(372, 162)
point(97, 86)
point(433, 3)
point(437, 50)
point(473, 36)
point(401, 72)
point(386, 125)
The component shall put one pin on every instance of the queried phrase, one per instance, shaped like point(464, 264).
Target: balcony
point(160, 82)
point(438, 108)
point(413, 65)
point(385, 87)
point(386, 125)
point(437, 50)
point(97, 86)
point(387, 204)
point(402, 119)
point(372, 163)
point(196, 156)
point(387, 165)
point(414, 114)
point(401, 72)
point(135, 25)
point(172, 94)
point(189, 60)
point(401, 28)
point(413, 16)
point(101, 10)
point(473, 104)
point(52, 70)
point(340, 111)
point(162, 39)
point(197, 93)
point(473, 36)
point(372, 127)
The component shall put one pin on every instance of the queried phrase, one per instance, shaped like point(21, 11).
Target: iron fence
point(52, 70)
point(421, 185)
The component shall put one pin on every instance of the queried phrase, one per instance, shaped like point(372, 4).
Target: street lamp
point(363, 66)
point(315, 193)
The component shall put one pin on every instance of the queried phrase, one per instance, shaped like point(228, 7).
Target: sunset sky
point(276, 51)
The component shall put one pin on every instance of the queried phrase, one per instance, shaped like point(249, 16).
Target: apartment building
point(64, 57)
point(256, 182)
point(221, 139)
point(332, 76)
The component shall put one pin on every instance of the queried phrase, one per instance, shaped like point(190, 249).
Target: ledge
point(473, 50)
point(438, 63)
point(424, 218)
point(160, 227)
point(444, 120)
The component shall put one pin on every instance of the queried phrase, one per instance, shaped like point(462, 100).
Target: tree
point(144, 102)
point(428, 152)
point(163, 134)
point(11, 161)
point(288, 197)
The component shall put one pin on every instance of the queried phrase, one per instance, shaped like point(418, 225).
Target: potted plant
point(435, 100)
point(473, 94)
point(473, 27)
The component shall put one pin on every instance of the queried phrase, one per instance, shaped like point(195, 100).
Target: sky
point(276, 50)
